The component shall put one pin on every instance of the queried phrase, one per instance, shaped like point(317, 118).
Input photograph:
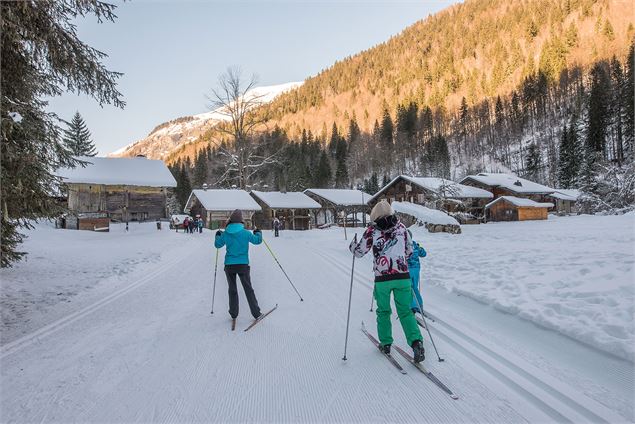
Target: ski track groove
point(51, 328)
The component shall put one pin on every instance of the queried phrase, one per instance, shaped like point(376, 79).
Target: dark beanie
point(236, 216)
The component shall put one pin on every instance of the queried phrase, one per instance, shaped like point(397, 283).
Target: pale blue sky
point(171, 53)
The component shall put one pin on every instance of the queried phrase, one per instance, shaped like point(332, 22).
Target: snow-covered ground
point(131, 339)
point(572, 274)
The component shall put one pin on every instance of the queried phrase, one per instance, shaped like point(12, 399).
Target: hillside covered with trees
point(540, 88)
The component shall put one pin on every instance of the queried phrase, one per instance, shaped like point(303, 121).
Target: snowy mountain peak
point(169, 136)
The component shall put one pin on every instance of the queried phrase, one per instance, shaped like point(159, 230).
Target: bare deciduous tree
point(237, 100)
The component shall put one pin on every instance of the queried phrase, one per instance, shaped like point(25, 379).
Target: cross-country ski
point(388, 356)
point(203, 246)
point(427, 373)
point(260, 318)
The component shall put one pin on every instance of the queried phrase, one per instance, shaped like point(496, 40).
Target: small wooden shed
point(291, 208)
point(337, 204)
point(510, 208)
point(216, 205)
point(565, 201)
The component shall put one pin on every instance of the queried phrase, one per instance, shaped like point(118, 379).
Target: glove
point(257, 230)
point(219, 233)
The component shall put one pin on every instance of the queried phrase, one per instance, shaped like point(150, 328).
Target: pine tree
point(629, 103)
point(41, 57)
point(386, 134)
point(77, 137)
point(568, 161)
point(200, 169)
point(323, 173)
point(597, 122)
point(373, 186)
point(183, 186)
point(533, 166)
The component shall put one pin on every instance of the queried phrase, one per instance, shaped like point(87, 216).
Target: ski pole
point(283, 271)
point(372, 300)
point(426, 324)
point(214, 287)
point(350, 296)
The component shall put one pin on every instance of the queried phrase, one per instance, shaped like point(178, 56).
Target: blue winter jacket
point(417, 252)
point(237, 240)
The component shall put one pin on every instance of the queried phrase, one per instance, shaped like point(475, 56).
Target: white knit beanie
point(381, 209)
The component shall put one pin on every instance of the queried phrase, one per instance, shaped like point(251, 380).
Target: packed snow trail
point(154, 353)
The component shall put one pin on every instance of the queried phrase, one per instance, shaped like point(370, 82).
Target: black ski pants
point(242, 271)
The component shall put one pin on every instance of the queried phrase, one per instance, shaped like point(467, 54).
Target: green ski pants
point(402, 291)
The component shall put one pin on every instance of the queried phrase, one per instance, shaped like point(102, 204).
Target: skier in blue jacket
point(414, 267)
point(236, 239)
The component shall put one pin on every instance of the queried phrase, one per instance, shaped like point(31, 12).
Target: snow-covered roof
point(566, 194)
point(452, 189)
point(289, 200)
point(341, 197)
point(423, 214)
point(223, 200)
point(119, 171)
point(510, 182)
point(520, 202)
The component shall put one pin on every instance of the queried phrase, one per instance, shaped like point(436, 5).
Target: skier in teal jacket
point(236, 239)
point(414, 268)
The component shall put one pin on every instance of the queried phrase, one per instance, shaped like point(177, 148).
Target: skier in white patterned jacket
point(391, 245)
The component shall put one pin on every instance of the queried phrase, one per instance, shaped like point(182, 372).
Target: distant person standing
point(236, 239)
point(276, 227)
point(191, 226)
point(186, 224)
point(200, 225)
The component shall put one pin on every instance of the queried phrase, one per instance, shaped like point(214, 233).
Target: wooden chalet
point(437, 193)
point(121, 189)
point(510, 208)
point(337, 204)
point(293, 209)
point(216, 205)
point(509, 185)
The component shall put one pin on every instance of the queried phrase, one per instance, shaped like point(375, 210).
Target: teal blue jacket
point(237, 240)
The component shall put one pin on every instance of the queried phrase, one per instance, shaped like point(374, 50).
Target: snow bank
point(570, 274)
point(423, 214)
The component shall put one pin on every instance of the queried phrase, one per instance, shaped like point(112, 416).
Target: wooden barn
point(121, 189)
point(337, 204)
point(509, 185)
point(510, 208)
point(437, 193)
point(216, 205)
point(293, 209)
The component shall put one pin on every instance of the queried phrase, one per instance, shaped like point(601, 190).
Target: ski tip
point(455, 397)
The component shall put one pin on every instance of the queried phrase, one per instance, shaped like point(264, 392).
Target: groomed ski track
point(151, 352)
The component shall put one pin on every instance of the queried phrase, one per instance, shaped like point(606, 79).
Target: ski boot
point(385, 349)
point(418, 351)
